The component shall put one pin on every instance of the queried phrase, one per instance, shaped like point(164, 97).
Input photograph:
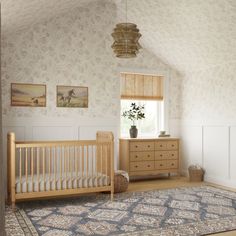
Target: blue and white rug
point(181, 211)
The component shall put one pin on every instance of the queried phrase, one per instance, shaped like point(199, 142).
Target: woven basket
point(121, 181)
point(196, 175)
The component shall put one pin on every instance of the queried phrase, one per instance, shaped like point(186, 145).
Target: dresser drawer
point(160, 165)
point(172, 155)
point(141, 146)
point(172, 145)
point(172, 164)
point(140, 165)
point(160, 145)
point(161, 155)
point(141, 156)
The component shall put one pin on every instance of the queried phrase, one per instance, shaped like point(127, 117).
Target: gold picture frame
point(28, 95)
point(72, 96)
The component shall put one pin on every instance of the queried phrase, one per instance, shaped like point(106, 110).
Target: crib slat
point(82, 166)
point(65, 166)
point(61, 167)
point(20, 171)
point(87, 169)
point(49, 167)
point(44, 182)
point(55, 167)
point(101, 157)
point(106, 164)
point(97, 160)
point(70, 166)
point(38, 168)
point(92, 162)
point(26, 168)
point(76, 165)
point(32, 168)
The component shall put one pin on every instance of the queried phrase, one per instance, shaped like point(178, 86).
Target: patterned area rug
point(182, 211)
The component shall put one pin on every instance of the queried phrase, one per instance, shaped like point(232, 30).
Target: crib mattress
point(65, 181)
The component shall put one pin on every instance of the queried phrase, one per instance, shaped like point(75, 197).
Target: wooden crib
point(50, 169)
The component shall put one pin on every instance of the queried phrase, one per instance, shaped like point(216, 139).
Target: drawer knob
point(136, 156)
point(136, 146)
point(172, 164)
point(148, 145)
point(172, 155)
point(136, 166)
point(172, 145)
point(161, 155)
point(148, 155)
point(148, 165)
point(161, 165)
point(160, 145)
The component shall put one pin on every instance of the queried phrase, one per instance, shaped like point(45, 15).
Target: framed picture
point(28, 95)
point(72, 96)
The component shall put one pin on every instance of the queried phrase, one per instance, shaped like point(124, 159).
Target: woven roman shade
point(143, 87)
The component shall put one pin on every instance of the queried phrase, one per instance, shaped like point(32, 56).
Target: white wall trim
point(219, 181)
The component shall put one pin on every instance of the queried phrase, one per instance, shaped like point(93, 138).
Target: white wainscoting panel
point(216, 151)
point(18, 130)
point(232, 164)
point(89, 132)
point(191, 146)
point(47, 133)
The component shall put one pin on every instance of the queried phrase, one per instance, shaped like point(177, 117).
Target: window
point(148, 127)
point(147, 90)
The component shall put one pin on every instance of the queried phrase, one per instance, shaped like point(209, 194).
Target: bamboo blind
point(138, 86)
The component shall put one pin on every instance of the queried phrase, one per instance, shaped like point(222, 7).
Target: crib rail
point(43, 169)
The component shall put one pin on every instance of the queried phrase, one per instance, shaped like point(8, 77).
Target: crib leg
point(13, 206)
point(112, 196)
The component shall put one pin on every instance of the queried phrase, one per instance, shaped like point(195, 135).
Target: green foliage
point(134, 113)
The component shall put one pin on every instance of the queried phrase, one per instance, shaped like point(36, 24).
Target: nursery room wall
point(74, 49)
point(208, 100)
point(208, 121)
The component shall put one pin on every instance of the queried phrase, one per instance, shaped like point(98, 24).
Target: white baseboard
point(223, 182)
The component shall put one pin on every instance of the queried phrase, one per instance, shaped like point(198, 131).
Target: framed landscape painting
point(28, 95)
point(72, 96)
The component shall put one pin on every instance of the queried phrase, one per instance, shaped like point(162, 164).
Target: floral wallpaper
point(210, 94)
point(73, 49)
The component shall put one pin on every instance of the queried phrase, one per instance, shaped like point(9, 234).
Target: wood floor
point(172, 182)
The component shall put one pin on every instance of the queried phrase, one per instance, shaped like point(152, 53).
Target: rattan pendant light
point(126, 36)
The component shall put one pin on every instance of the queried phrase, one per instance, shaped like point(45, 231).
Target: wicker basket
point(195, 174)
point(121, 181)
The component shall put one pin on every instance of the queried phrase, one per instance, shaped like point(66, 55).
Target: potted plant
point(134, 113)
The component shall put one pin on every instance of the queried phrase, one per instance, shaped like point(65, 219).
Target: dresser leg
point(168, 175)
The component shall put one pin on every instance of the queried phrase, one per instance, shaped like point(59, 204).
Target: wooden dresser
point(140, 157)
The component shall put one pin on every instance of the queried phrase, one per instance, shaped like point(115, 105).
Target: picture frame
point(28, 95)
point(72, 96)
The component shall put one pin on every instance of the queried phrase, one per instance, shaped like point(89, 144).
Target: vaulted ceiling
point(187, 34)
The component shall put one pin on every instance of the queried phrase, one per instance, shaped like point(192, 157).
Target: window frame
point(159, 118)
